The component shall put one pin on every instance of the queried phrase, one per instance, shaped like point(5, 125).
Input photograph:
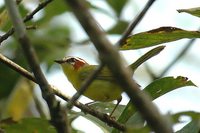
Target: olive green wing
point(105, 74)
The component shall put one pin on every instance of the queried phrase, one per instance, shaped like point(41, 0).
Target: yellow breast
point(99, 90)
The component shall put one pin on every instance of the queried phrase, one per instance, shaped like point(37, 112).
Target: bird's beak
point(59, 61)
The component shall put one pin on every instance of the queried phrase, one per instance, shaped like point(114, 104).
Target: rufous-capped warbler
point(104, 88)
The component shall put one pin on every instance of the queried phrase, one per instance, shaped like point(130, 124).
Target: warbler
point(104, 88)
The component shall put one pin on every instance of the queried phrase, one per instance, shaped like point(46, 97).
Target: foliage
point(27, 125)
point(157, 36)
point(51, 41)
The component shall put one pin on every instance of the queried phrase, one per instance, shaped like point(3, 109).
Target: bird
point(104, 88)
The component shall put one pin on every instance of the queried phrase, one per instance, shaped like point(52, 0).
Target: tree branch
point(27, 18)
point(58, 116)
point(37, 9)
point(110, 56)
point(56, 91)
point(103, 117)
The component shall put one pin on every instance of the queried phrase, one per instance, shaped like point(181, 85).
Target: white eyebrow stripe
point(79, 59)
point(76, 58)
point(68, 57)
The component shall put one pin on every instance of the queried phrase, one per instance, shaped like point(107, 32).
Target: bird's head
point(70, 66)
point(73, 63)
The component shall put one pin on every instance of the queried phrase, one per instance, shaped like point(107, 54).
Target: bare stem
point(178, 57)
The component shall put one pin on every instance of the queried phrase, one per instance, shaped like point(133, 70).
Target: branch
point(37, 9)
point(27, 18)
point(56, 91)
point(103, 117)
point(58, 115)
point(135, 23)
point(110, 56)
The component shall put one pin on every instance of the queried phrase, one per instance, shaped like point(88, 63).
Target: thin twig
point(31, 27)
point(56, 91)
point(37, 9)
point(103, 117)
point(27, 18)
point(84, 86)
point(38, 106)
point(110, 56)
point(134, 23)
point(178, 57)
point(58, 115)
point(171, 64)
point(17, 68)
point(152, 75)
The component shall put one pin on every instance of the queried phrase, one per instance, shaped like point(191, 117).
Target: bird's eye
point(71, 61)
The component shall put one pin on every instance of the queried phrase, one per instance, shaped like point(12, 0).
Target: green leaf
point(107, 108)
point(153, 52)
point(136, 119)
point(157, 36)
point(156, 89)
point(117, 5)
point(192, 11)
point(125, 115)
point(5, 22)
point(76, 130)
point(193, 126)
point(192, 114)
point(164, 85)
point(19, 100)
point(28, 125)
point(3, 18)
point(133, 129)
